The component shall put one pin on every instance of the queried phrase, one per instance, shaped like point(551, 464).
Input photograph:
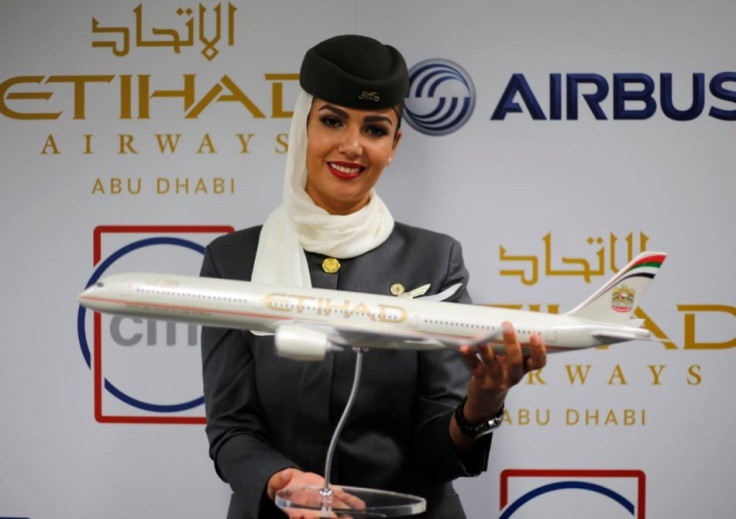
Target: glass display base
point(342, 501)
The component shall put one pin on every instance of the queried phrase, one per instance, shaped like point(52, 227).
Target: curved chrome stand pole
point(348, 501)
point(326, 491)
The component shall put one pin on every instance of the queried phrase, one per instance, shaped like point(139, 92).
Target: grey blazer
point(266, 413)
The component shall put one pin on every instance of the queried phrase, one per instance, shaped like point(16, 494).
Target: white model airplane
point(309, 322)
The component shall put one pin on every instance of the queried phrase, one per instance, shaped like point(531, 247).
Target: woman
point(421, 419)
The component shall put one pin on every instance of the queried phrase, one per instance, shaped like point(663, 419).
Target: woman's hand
point(494, 374)
point(293, 479)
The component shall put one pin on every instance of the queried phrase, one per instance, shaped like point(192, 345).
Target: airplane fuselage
point(265, 308)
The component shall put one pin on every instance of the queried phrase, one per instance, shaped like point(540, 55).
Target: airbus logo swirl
point(441, 97)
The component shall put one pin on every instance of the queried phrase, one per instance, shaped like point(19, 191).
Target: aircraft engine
point(301, 343)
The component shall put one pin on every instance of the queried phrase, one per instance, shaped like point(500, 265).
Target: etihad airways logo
point(203, 26)
point(325, 306)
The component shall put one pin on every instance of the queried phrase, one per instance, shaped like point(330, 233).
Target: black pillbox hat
point(355, 71)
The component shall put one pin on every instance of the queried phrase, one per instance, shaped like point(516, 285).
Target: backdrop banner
point(555, 140)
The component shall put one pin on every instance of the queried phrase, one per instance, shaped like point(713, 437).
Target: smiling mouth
point(346, 171)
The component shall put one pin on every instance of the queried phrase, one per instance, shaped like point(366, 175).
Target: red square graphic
point(547, 480)
point(99, 381)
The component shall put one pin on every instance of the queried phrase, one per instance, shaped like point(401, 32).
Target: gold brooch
point(330, 265)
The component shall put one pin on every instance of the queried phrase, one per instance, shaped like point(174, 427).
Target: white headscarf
point(298, 224)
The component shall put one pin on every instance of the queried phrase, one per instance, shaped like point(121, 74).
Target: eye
point(331, 121)
point(376, 130)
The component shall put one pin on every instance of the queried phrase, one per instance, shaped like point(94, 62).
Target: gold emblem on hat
point(330, 265)
point(369, 96)
point(397, 289)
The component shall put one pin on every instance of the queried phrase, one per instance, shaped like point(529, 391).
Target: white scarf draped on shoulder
point(298, 224)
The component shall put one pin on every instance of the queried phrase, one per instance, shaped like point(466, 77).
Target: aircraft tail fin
point(616, 301)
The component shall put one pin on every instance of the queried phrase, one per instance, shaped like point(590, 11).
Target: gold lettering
point(206, 141)
point(168, 141)
point(79, 83)
point(591, 416)
point(507, 416)
point(361, 308)
point(244, 142)
point(201, 186)
point(629, 417)
point(126, 96)
point(611, 418)
point(278, 302)
point(283, 140)
point(98, 188)
point(162, 185)
point(523, 416)
point(235, 95)
point(50, 143)
point(137, 189)
point(577, 372)
point(656, 373)
point(694, 371)
point(690, 341)
point(87, 144)
point(539, 420)
point(301, 302)
point(391, 314)
point(617, 373)
point(180, 185)
point(126, 142)
point(277, 94)
point(117, 186)
point(329, 307)
point(8, 83)
point(536, 374)
point(551, 309)
point(144, 95)
point(218, 185)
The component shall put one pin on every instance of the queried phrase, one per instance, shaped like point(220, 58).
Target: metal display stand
point(345, 501)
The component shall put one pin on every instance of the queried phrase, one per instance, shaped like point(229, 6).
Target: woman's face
point(347, 150)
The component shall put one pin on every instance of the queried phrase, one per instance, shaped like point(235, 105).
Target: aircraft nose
point(92, 289)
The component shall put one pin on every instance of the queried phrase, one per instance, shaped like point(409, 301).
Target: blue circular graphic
point(441, 97)
point(99, 271)
point(581, 485)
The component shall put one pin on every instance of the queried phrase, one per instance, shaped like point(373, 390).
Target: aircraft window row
point(460, 324)
point(528, 332)
point(476, 326)
point(191, 295)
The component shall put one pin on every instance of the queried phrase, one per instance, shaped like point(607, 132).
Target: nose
point(351, 144)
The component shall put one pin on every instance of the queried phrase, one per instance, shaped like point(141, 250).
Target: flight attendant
point(421, 418)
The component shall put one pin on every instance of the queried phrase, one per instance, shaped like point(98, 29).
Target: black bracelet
point(476, 431)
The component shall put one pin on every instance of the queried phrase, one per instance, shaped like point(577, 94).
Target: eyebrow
point(366, 119)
